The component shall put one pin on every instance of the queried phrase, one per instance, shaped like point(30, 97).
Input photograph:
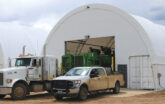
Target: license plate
point(59, 91)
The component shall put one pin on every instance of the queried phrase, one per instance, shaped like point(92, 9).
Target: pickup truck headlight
point(76, 83)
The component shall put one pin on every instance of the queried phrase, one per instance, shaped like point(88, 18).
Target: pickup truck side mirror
point(92, 75)
point(30, 68)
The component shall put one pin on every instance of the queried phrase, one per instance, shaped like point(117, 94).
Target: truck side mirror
point(30, 68)
point(92, 75)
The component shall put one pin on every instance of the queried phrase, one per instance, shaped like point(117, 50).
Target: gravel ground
point(125, 97)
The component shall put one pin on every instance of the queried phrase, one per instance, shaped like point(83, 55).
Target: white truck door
point(34, 72)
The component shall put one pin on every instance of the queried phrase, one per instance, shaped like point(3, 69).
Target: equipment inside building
point(103, 57)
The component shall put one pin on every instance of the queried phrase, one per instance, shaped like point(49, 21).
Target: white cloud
point(44, 14)
point(46, 23)
point(29, 11)
point(13, 36)
point(24, 9)
point(44, 26)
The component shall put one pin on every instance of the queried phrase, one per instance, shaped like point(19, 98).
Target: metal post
point(128, 73)
point(157, 77)
point(141, 69)
point(153, 75)
point(65, 47)
point(45, 50)
point(43, 61)
point(9, 62)
point(23, 50)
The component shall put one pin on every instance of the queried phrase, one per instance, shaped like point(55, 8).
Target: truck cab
point(29, 74)
point(33, 65)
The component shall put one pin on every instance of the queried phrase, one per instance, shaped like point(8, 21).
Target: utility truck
point(81, 81)
point(30, 74)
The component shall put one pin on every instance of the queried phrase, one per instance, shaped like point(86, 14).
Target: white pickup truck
point(81, 81)
point(30, 74)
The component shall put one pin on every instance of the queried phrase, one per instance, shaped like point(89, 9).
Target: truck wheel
point(19, 91)
point(116, 90)
point(2, 96)
point(83, 93)
point(58, 97)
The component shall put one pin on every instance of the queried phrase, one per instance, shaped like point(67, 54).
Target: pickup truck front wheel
point(19, 91)
point(116, 90)
point(83, 93)
point(2, 96)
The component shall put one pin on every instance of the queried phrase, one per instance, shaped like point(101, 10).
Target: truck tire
point(116, 90)
point(58, 97)
point(83, 93)
point(2, 96)
point(19, 91)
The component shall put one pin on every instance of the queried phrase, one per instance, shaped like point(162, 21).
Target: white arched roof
point(155, 33)
point(151, 35)
point(13, 37)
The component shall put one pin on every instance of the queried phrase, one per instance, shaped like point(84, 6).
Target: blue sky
point(44, 14)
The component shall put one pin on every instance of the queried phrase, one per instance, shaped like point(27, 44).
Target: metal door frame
point(129, 68)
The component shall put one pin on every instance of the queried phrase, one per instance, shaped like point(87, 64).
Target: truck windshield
point(77, 72)
point(23, 62)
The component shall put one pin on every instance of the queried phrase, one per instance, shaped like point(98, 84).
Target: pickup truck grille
point(62, 84)
point(1, 78)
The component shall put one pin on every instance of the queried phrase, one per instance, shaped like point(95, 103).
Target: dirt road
point(125, 97)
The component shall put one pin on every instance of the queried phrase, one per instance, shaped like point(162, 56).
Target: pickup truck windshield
point(23, 62)
point(77, 72)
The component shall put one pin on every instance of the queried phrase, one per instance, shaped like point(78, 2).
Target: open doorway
point(89, 52)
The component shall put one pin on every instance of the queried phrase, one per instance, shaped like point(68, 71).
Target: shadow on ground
point(36, 96)
point(66, 99)
point(99, 95)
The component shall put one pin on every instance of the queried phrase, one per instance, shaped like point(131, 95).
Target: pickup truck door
point(99, 81)
point(34, 72)
point(103, 79)
point(94, 80)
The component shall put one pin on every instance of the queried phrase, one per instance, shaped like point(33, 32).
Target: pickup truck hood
point(13, 69)
point(71, 78)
